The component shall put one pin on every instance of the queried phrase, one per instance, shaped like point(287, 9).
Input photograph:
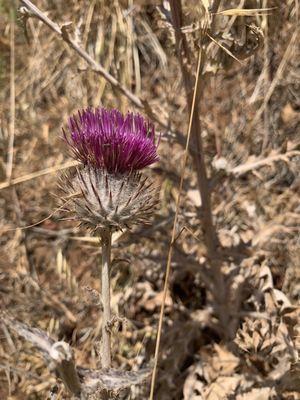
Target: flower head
point(108, 192)
point(109, 140)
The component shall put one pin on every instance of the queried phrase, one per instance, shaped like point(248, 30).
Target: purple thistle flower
point(106, 139)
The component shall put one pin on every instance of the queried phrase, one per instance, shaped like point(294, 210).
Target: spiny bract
point(104, 201)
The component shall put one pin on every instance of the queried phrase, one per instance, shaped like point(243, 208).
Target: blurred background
point(231, 326)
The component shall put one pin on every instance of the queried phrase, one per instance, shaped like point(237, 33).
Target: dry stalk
point(173, 237)
point(10, 153)
point(198, 158)
point(218, 289)
point(266, 69)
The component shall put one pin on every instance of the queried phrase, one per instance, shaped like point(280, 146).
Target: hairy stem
point(105, 282)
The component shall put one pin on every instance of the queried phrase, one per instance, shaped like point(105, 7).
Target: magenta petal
point(109, 140)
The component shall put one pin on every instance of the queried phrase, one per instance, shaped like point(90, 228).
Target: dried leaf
point(258, 394)
point(223, 388)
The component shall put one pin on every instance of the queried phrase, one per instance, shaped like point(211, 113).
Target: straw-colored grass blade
point(246, 12)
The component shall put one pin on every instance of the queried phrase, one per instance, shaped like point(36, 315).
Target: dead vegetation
point(231, 324)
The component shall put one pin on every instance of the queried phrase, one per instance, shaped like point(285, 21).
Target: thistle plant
point(107, 192)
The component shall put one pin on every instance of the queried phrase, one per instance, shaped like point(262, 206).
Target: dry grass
point(242, 343)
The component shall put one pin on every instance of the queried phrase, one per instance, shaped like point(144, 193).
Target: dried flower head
point(103, 201)
point(109, 140)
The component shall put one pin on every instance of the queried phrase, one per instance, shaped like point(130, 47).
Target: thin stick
point(10, 155)
point(37, 174)
point(251, 166)
point(168, 269)
point(266, 69)
point(105, 282)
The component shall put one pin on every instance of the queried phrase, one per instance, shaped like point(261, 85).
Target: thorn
point(106, 182)
point(110, 199)
point(82, 179)
point(96, 192)
point(121, 188)
point(74, 195)
point(128, 202)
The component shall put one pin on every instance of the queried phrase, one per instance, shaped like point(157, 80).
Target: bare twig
point(250, 166)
